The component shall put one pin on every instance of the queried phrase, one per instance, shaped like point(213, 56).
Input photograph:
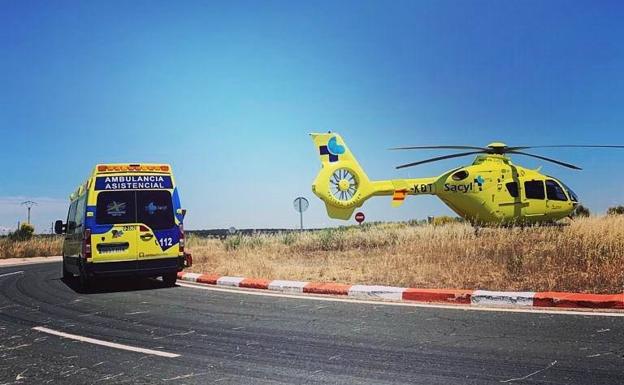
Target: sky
point(227, 92)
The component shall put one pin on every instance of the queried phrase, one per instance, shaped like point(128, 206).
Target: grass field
point(38, 246)
point(587, 255)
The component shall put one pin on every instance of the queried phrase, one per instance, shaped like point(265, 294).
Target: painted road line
point(312, 297)
point(105, 343)
point(13, 273)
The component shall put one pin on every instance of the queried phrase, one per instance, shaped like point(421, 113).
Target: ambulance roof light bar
point(132, 167)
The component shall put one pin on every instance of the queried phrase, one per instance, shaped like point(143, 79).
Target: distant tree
point(24, 233)
point(616, 210)
point(445, 219)
point(580, 211)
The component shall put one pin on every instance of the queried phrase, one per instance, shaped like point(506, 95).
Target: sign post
point(359, 217)
point(301, 204)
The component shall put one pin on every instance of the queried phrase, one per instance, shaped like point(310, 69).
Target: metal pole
point(29, 205)
point(300, 214)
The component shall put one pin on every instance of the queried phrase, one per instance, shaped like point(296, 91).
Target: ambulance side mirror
point(59, 227)
point(181, 212)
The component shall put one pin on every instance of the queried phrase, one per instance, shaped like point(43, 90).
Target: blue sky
point(228, 91)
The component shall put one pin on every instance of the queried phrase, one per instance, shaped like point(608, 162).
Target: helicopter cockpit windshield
point(571, 193)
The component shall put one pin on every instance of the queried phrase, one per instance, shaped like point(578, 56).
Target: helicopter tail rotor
point(342, 183)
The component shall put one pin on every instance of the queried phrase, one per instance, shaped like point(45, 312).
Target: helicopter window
point(554, 191)
point(534, 189)
point(460, 175)
point(512, 188)
point(571, 193)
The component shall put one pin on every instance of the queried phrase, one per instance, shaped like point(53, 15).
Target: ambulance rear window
point(151, 208)
point(155, 209)
point(115, 207)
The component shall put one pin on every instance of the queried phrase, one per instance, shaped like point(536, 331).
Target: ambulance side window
point(80, 211)
point(71, 217)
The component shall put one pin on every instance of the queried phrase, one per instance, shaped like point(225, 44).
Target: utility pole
point(29, 205)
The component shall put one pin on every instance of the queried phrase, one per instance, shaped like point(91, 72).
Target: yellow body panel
point(481, 196)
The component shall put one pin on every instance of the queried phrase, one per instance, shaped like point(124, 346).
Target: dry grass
point(587, 255)
point(38, 246)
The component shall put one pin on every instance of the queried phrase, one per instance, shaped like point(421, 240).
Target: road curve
point(229, 338)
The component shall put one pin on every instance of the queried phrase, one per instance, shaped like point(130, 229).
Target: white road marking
point(13, 273)
point(588, 312)
point(106, 343)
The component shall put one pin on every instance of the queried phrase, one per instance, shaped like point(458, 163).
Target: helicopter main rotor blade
point(567, 146)
point(438, 148)
point(440, 158)
point(547, 159)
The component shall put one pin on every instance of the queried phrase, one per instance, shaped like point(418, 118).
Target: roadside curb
point(452, 296)
point(8, 262)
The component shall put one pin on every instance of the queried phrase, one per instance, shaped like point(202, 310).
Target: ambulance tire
point(170, 279)
point(66, 274)
point(85, 282)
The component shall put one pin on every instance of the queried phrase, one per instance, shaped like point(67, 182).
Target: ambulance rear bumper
point(139, 268)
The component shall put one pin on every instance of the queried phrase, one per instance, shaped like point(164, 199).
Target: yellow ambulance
point(125, 220)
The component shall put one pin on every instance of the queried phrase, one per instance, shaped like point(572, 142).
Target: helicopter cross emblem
point(333, 149)
point(479, 181)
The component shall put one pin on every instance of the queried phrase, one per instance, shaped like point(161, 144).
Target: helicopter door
point(555, 196)
point(535, 198)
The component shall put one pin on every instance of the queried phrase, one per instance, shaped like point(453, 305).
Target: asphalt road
point(230, 338)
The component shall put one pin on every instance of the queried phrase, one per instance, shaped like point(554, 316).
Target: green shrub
point(580, 211)
point(288, 239)
point(24, 233)
point(232, 242)
point(443, 220)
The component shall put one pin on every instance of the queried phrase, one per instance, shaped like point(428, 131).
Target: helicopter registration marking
point(423, 188)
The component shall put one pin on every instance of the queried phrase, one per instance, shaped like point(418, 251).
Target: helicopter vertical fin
point(341, 183)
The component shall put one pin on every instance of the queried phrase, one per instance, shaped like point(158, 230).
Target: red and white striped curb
point(455, 296)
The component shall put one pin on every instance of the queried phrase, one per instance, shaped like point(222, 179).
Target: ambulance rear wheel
point(66, 274)
point(85, 282)
point(169, 279)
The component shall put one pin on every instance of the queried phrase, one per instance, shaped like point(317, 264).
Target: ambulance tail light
point(181, 229)
point(86, 243)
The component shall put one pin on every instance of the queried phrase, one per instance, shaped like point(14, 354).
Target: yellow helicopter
point(492, 190)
